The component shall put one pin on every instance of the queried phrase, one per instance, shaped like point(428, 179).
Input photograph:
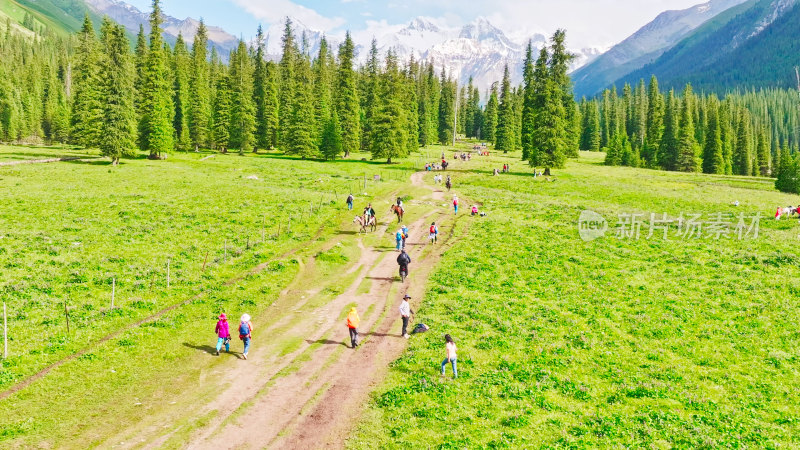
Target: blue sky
point(588, 22)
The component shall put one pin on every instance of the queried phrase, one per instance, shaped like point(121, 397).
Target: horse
point(364, 223)
point(398, 210)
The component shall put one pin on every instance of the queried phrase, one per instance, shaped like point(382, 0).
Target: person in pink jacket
point(223, 333)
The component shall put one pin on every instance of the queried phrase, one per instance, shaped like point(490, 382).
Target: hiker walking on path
point(448, 183)
point(455, 203)
point(352, 326)
point(450, 349)
point(433, 235)
point(245, 330)
point(403, 260)
point(404, 229)
point(405, 314)
point(223, 333)
point(350, 200)
point(398, 237)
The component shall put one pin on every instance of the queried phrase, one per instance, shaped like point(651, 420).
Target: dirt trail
point(302, 386)
point(45, 161)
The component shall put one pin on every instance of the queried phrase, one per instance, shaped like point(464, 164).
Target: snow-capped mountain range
point(478, 50)
point(131, 17)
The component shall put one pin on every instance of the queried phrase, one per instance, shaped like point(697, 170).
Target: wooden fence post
point(5, 333)
point(66, 314)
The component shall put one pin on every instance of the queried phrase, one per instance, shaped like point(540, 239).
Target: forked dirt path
point(302, 385)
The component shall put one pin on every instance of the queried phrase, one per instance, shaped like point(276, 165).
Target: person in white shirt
point(405, 314)
point(451, 357)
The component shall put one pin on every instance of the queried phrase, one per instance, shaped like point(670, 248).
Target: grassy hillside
point(58, 16)
point(720, 56)
point(648, 343)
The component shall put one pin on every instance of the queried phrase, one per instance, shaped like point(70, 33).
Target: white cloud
point(275, 11)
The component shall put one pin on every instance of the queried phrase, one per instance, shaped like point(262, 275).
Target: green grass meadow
point(67, 229)
point(680, 343)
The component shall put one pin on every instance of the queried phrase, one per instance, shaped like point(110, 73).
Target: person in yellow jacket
point(352, 325)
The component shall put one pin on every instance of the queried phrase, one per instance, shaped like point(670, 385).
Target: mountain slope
point(646, 45)
point(61, 17)
point(756, 48)
point(131, 17)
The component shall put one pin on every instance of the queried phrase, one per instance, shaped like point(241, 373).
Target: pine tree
point(389, 132)
point(762, 151)
point(323, 100)
point(260, 88)
point(411, 104)
point(347, 105)
point(528, 104)
point(687, 145)
point(272, 105)
point(446, 110)
point(655, 124)
point(370, 105)
point(221, 118)
point(87, 108)
point(423, 113)
point(331, 142)
point(788, 176)
point(591, 133)
point(727, 136)
point(668, 150)
point(286, 93)
point(119, 112)
point(140, 61)
point(742, 152)
point(243, 111)
point(180, 69)
point(559, 66)
point(434, 90)
point(490, 116)
point(549, 119)
point(713, 159)
point(157, 130)
point(300, 139)
point(199, 84)
point(505, 115)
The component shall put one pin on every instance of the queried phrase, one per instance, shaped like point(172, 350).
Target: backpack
point(420, 328)
point(244, 329)
point(433, 229)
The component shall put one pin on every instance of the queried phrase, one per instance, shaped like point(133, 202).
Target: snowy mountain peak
point(421, 24)
point(481, 30)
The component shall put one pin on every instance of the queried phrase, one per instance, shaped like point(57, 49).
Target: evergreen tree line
point(755, 133)
point(98, 91)
point(539, 117)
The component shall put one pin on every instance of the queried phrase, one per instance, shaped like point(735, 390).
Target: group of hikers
point(245, 328)
point(222, 330)
point(223, 333)
point(787, 211)
point(451, 357)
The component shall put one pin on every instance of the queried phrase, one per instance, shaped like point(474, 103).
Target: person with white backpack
point(245, 330)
